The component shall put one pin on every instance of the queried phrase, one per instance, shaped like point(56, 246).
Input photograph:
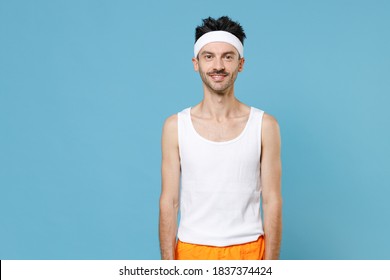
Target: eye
point(229, 57)
point(208, 56)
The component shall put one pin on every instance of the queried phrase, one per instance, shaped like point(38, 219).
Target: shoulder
point(170, 124)
point(169, 138)
point(270, 122)
point(270, 129)
point(171, 120)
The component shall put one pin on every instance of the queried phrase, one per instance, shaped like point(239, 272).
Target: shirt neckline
point(220, 142)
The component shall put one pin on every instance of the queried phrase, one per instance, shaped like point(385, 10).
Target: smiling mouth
point(218, 76)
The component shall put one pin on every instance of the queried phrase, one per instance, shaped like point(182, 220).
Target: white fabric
point(218, 36)
point(220, 185)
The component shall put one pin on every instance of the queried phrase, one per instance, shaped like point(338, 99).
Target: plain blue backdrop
point(85, 87)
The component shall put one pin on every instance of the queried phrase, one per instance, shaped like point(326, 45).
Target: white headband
point(218, 36)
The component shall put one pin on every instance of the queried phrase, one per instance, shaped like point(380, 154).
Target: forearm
point(167, 230)
point(272, 228)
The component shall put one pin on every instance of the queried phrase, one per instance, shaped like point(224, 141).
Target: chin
point(221, 91)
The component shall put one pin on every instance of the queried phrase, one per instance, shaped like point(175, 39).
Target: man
point(225, 155)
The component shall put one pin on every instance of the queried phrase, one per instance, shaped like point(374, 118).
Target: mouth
point(218, 77)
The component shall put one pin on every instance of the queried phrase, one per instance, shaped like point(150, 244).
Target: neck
point(219, 105)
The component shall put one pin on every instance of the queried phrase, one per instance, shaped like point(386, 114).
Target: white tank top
point(220, 185)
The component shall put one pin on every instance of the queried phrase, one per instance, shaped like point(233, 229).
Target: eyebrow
point(225, 53)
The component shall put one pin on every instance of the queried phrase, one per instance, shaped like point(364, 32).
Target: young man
point(225, 155)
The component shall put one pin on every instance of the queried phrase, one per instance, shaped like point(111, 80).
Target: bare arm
point(169, 199)
point(271, 187)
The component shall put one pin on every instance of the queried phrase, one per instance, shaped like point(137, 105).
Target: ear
point(241, 64)
point(196, 64)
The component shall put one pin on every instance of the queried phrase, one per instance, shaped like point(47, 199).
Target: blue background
point(85, 87)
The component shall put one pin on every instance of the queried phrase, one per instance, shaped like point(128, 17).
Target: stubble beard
point(219, 88)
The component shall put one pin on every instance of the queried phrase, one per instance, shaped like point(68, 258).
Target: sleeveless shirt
point(220, 184)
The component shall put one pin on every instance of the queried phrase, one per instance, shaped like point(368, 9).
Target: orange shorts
point(247, 251)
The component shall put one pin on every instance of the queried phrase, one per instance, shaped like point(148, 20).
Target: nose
point(218, 64)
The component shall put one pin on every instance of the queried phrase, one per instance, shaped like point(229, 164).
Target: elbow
point(169, 204)
point(273, 200)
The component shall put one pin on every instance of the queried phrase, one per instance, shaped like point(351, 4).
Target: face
point(218, 64)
